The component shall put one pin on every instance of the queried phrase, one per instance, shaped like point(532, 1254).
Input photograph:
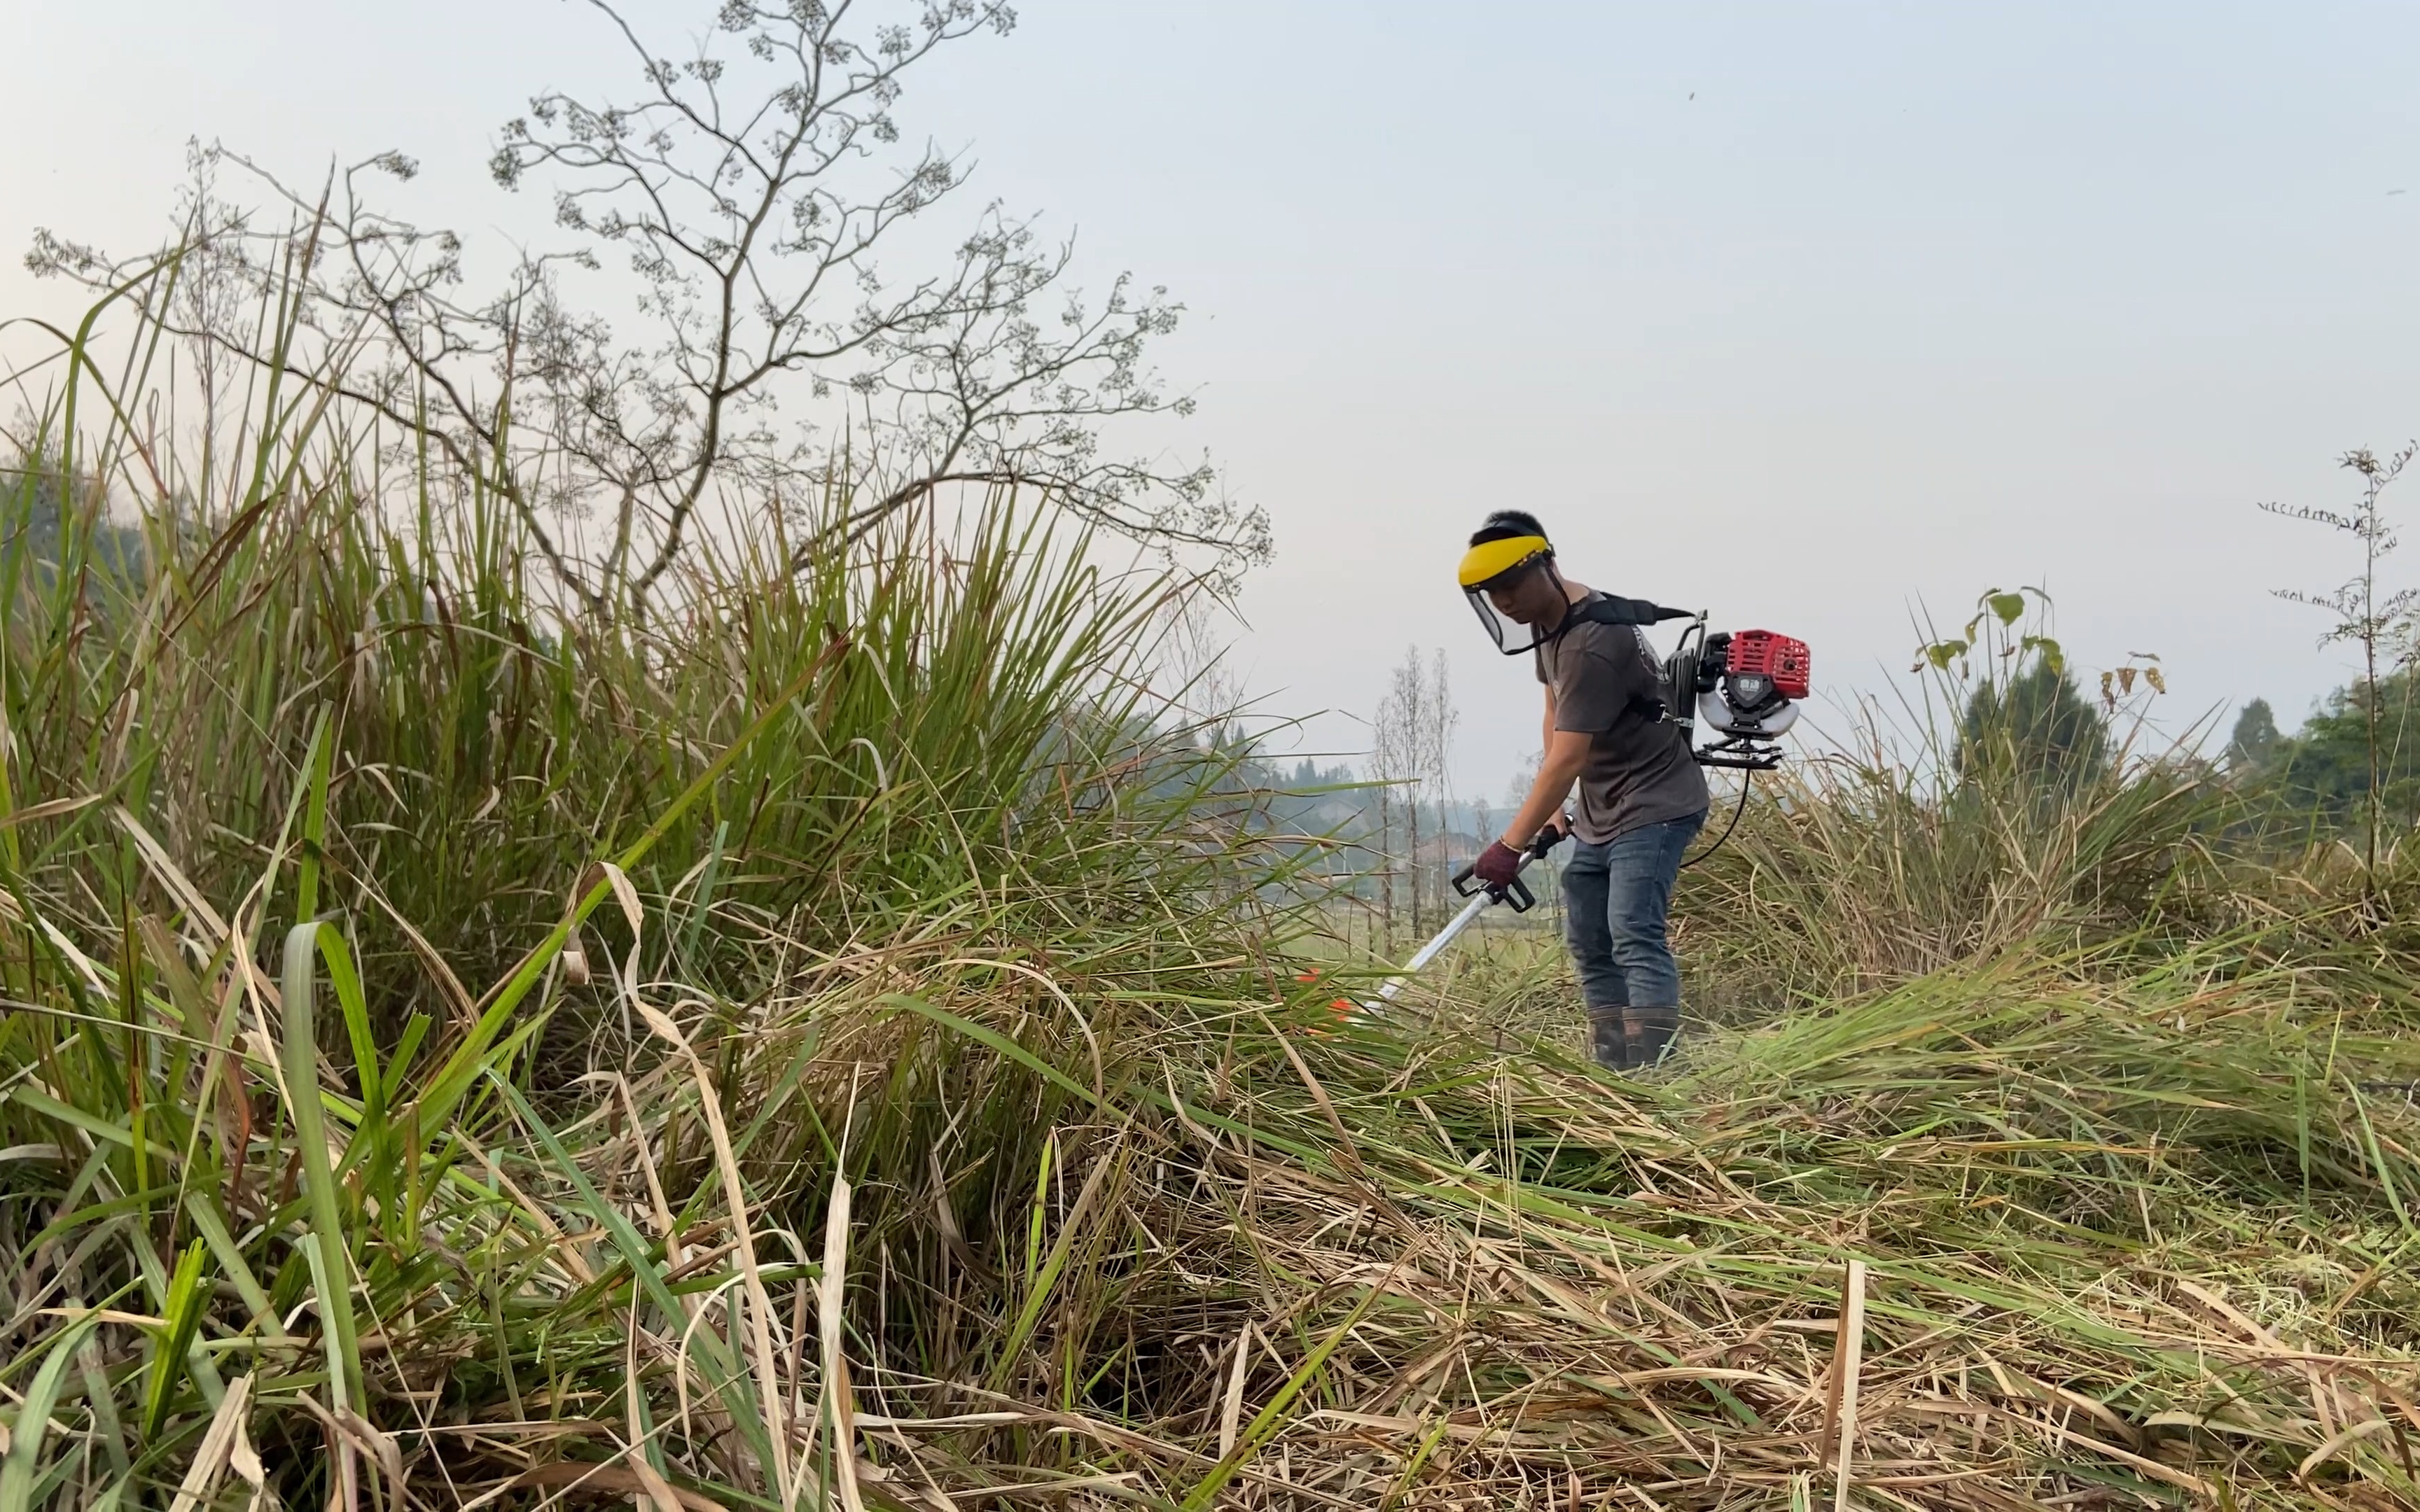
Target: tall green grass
point(328, 738)
point(834, 1041)
point(1852, 870)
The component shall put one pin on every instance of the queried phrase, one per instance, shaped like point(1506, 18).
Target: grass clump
point(834, 1044)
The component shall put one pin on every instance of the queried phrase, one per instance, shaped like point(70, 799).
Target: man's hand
point(1497, 865)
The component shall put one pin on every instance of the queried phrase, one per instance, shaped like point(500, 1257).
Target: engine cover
point(1761, 653)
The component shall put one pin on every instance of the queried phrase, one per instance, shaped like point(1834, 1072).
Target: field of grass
point(836, 1042)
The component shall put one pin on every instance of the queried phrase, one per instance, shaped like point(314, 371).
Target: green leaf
point(202, 1206)
point(2011, 608)
point(1000, 1042)
point(732, 1385)
point(1270, 1418)
point(1942, 653)
point(355, 1008)
point(34, 1417)
point(330, 1269)
point(415, 1029)
point(318, 760)
point(186, 1299)
point(1040, 1284)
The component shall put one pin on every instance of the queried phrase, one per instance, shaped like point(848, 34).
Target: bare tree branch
point(751, 191)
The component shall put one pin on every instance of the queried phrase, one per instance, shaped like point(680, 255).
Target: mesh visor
point(1510, 636)
point(1494, 568)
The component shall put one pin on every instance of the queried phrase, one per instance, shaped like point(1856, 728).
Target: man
point(1641, 796)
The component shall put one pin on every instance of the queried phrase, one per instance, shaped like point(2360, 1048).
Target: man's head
point(1509, 574)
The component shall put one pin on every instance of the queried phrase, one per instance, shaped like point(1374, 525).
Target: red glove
point(1497, 865)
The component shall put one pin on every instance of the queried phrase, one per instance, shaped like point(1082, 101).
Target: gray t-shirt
point(1608, 685)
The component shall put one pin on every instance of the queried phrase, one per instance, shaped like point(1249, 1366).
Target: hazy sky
point(1803, 313)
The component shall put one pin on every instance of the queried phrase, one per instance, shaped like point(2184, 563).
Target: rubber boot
point(1651, 1032)
point(1607, 1040)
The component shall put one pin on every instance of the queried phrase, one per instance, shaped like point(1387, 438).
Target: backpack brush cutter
point(1744, 685)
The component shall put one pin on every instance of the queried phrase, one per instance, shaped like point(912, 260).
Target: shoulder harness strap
point(1606, 609)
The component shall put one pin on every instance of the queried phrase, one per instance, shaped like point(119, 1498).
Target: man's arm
point(1566, 752)
point(1560, 761)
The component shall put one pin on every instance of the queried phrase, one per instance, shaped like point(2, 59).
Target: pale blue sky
point(1908, 301)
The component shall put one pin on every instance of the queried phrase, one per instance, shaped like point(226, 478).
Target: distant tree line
point(41, 501)
point(2323, 769)
point(2040, 726)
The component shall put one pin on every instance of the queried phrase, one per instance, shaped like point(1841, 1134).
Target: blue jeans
point(1614, 900)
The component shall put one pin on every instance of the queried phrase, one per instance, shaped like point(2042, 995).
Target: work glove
point(1497, 865)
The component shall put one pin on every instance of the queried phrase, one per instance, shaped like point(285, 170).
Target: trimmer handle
point(1548, 838)
point(1515, 892)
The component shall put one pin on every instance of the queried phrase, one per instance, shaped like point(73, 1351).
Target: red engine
point(1746, 686)
point(1764, 653)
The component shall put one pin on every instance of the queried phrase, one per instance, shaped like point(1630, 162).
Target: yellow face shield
point(1490, 559)
point(1498, 565)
